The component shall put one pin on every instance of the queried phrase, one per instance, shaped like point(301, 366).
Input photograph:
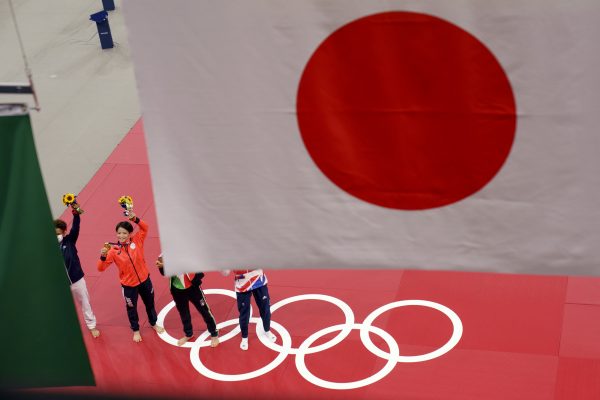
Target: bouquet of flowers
point(69, 199)
point(127, 203)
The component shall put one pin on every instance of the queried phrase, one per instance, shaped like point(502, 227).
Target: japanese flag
point(373, 134)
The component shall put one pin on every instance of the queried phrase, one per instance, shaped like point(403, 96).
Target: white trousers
point(80, 292)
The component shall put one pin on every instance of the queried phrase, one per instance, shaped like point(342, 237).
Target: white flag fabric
point(373, 134)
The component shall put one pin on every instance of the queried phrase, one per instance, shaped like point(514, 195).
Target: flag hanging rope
point(25, 62)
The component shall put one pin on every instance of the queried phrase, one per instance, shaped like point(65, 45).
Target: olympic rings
point(393, 357)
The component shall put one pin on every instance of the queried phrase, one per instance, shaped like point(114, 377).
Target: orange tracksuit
point(129, 258)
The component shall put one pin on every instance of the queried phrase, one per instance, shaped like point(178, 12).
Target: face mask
point(60, 238)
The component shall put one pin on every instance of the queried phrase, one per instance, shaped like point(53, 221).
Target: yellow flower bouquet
point(70, 199)
point(127, 203)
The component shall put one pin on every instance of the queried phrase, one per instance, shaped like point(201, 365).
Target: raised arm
point(143, 232)
point(74, 233)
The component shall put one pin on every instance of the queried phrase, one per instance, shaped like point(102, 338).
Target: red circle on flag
point(406, 111)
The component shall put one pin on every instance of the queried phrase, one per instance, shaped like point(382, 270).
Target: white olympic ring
point(456, 331)
point(341, 336)
point(387, 368)
point(197, 363)
point(393, 357)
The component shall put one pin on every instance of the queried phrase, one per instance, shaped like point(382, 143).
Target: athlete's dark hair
point(60, 224)
point(125, 225)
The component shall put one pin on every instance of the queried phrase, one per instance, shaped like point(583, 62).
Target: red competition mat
point(340, 334)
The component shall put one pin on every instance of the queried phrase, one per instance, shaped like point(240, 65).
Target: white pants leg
point(80, 292)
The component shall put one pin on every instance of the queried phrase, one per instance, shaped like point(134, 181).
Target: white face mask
point(60, 238)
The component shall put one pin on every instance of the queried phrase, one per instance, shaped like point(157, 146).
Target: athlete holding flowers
point(128, 255)
point(67, 244)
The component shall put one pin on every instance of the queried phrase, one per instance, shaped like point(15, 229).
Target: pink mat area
point(525, 337)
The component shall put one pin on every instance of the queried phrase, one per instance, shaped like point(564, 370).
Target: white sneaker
point(269, 335)
point(244, 344)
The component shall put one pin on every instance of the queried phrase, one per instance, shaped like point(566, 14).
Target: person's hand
point(131, 215)
point(104, 250)
point(75, 208)
point(159, 262)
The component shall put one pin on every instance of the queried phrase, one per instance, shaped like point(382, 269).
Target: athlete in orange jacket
point(128, 255)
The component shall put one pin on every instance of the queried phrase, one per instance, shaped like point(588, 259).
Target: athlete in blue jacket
point(73, 267)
